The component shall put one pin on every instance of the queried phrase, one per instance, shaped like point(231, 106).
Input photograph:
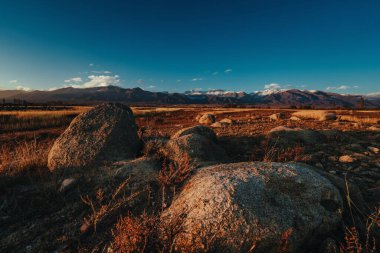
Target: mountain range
point(138, 96)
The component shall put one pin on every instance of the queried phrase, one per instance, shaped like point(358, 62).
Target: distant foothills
point(291, 98)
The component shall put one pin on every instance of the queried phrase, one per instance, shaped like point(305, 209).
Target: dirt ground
point(34, 217)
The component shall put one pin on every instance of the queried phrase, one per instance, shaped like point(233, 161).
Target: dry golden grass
point(34, 119)
point(310, 114)
point(369, 117)
point(150, 110)
point(358, 119)
point(25, 157)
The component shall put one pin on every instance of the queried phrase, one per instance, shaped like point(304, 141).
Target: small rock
point(355, 147)
point(346, 159)
point(373, 149)
point(227, 121)
point(84, 228)
point(283, 128)
point(67, 184)
point(207, 119)
point(29, 248)
point(319, 165)
point(217, 124)
point(294, 118)
point(277, 116)
point(373, 128)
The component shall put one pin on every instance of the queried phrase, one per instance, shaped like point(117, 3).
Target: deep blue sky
point(181, 45)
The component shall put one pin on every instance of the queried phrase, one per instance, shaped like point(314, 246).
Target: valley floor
point(35, 217)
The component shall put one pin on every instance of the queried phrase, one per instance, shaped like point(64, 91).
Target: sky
point(331, 45)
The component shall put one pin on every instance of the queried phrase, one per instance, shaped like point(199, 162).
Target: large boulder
point(232, 207)
point(105, 133)
point(199, 143)
point(201, 130)
point(141, 171)
point(291, 136)
point(207, 119)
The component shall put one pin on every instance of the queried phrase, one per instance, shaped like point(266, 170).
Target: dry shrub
point(284, 245)
point(354, 242)
point(155, 148)
point(351, 241)
point(102, 206)
point(172, 175)
point(145, 233)
point(274, 152)
point(25, 157)
point(135, 234)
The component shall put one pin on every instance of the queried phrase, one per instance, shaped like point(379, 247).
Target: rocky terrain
point(198, 180)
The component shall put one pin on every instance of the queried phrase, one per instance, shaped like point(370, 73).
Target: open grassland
point(45, 119)
point(31, 208)
point(369, 117)
point(24, 134)
point(37, 119)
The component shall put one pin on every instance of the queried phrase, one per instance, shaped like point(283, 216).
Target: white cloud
point(91, 64)
point(19, 87)
point(13, 81)
point(151, 87)
point(272, 86)
point(215, 73)
point(227, 70)
point(178, 81)
point(197, 79)
point(342, 87)
point(73, 80)
point(98, 81)
point(101, 72)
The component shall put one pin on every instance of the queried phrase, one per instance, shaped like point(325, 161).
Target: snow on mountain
point(267, 92)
